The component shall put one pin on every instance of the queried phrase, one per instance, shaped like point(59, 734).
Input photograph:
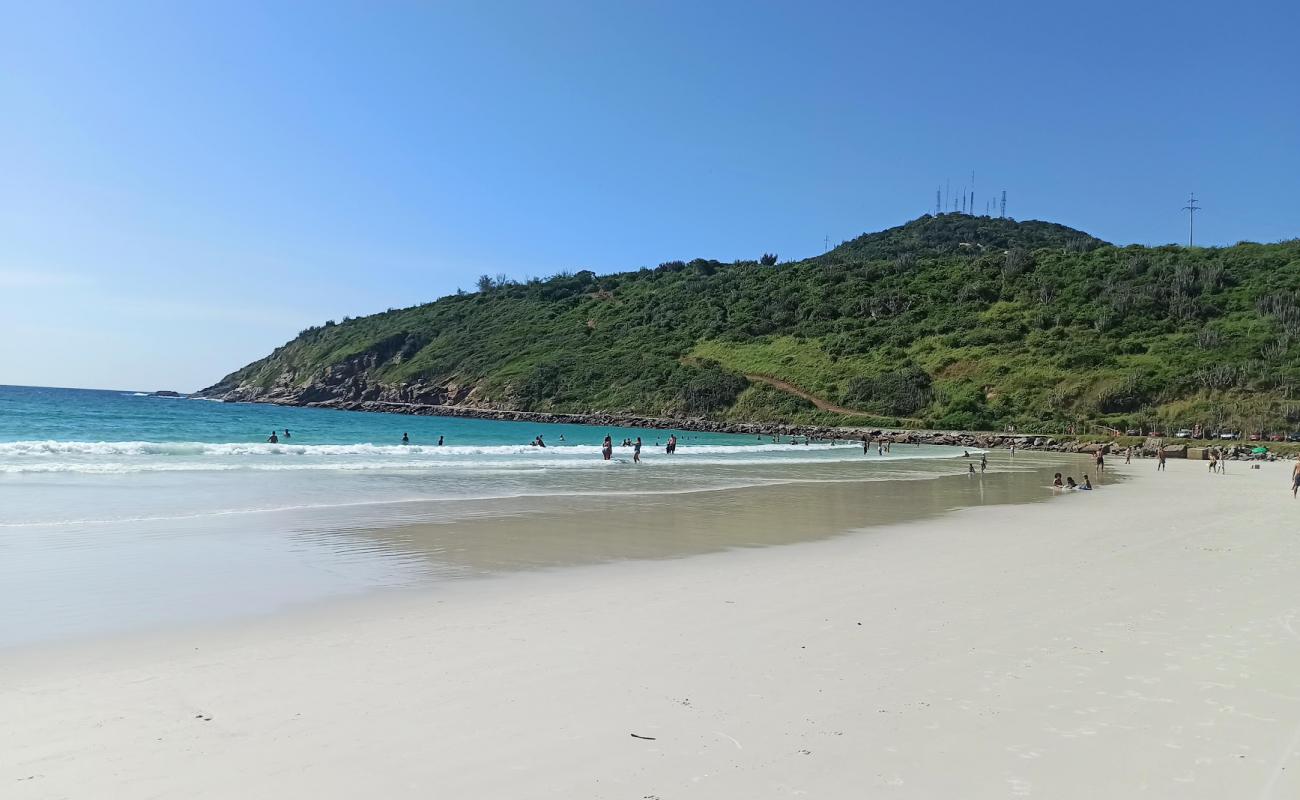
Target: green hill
point(951, 321)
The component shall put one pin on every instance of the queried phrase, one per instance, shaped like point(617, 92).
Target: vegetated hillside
point(952, 321)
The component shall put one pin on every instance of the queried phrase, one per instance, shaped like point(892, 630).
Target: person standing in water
point(286, 433)
point(984, 462)
point(274, 439)
point(440, 441)
point(607, 449)
point(1100, 460)
point(406, 439)
point(672, 444)
point(1160, 459)
point(636, 451)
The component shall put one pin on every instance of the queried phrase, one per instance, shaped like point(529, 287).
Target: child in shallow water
point(1070, 484)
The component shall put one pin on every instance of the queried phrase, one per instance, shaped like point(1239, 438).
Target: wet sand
point(1140, 640)
point(67, 582)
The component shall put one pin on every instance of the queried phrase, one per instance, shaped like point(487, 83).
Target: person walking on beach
point(636, 451)
point(1295, 479)
point(1160, 460)
point(1100, 461)
point(274, 439)
point(607, 449)
point(1128, 455)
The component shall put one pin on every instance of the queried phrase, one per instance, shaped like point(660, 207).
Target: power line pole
point(826, 244)
point(1191, 208)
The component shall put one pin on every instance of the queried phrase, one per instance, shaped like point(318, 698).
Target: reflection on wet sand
point(541, 532)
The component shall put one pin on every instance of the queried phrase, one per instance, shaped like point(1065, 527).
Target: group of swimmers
point(1069, 483)
point(984, 463)
point(406, 439)
point(882, 446)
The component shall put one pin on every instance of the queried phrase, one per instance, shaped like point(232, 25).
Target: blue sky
point(184, 186)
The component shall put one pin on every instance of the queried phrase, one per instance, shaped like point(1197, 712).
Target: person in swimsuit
point(1160, 459)
point(607, 449)
point(406, 439)
point(274, 439)
point(636, 451)
point(1087, 484)
point(440, 441)
point(984, 462)
point(286, 433)
point(1100, 461)
point(1056, 481)
point(1070, 484)
point(1295, 479)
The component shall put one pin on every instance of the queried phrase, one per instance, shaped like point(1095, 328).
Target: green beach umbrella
point(1259, 450)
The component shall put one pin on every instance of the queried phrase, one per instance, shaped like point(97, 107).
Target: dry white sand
point(1141, 640)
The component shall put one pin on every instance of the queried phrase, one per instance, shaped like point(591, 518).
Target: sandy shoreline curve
point(1140, 640)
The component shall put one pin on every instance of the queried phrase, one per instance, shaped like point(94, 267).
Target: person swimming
point(274, 439)
point(406, 439)
point(286, 433)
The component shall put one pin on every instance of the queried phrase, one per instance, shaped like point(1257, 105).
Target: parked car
point(1183, 433)
point(1228, 435)
point(1276, 437)
point(1133, 432)
point(1255, 437)
point(1293, 437)
point(1157, 434)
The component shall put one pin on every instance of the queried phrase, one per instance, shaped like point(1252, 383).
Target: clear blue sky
point(183, 189)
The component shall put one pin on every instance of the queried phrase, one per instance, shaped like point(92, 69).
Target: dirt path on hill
point(812, 398)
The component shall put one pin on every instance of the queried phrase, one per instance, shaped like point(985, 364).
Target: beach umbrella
point(1259, 451)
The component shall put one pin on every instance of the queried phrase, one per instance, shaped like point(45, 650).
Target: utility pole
point(826, 244)
point(1191, 208)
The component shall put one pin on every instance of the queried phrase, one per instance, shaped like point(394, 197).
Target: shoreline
point(1056, 443)
point(1000, 651)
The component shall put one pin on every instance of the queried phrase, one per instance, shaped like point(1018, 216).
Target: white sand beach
point(1142, 640)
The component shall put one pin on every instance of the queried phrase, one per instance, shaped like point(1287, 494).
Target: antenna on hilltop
point(1191, 208)
point(1003, 214)
point(938, 202)
point(826, 244)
